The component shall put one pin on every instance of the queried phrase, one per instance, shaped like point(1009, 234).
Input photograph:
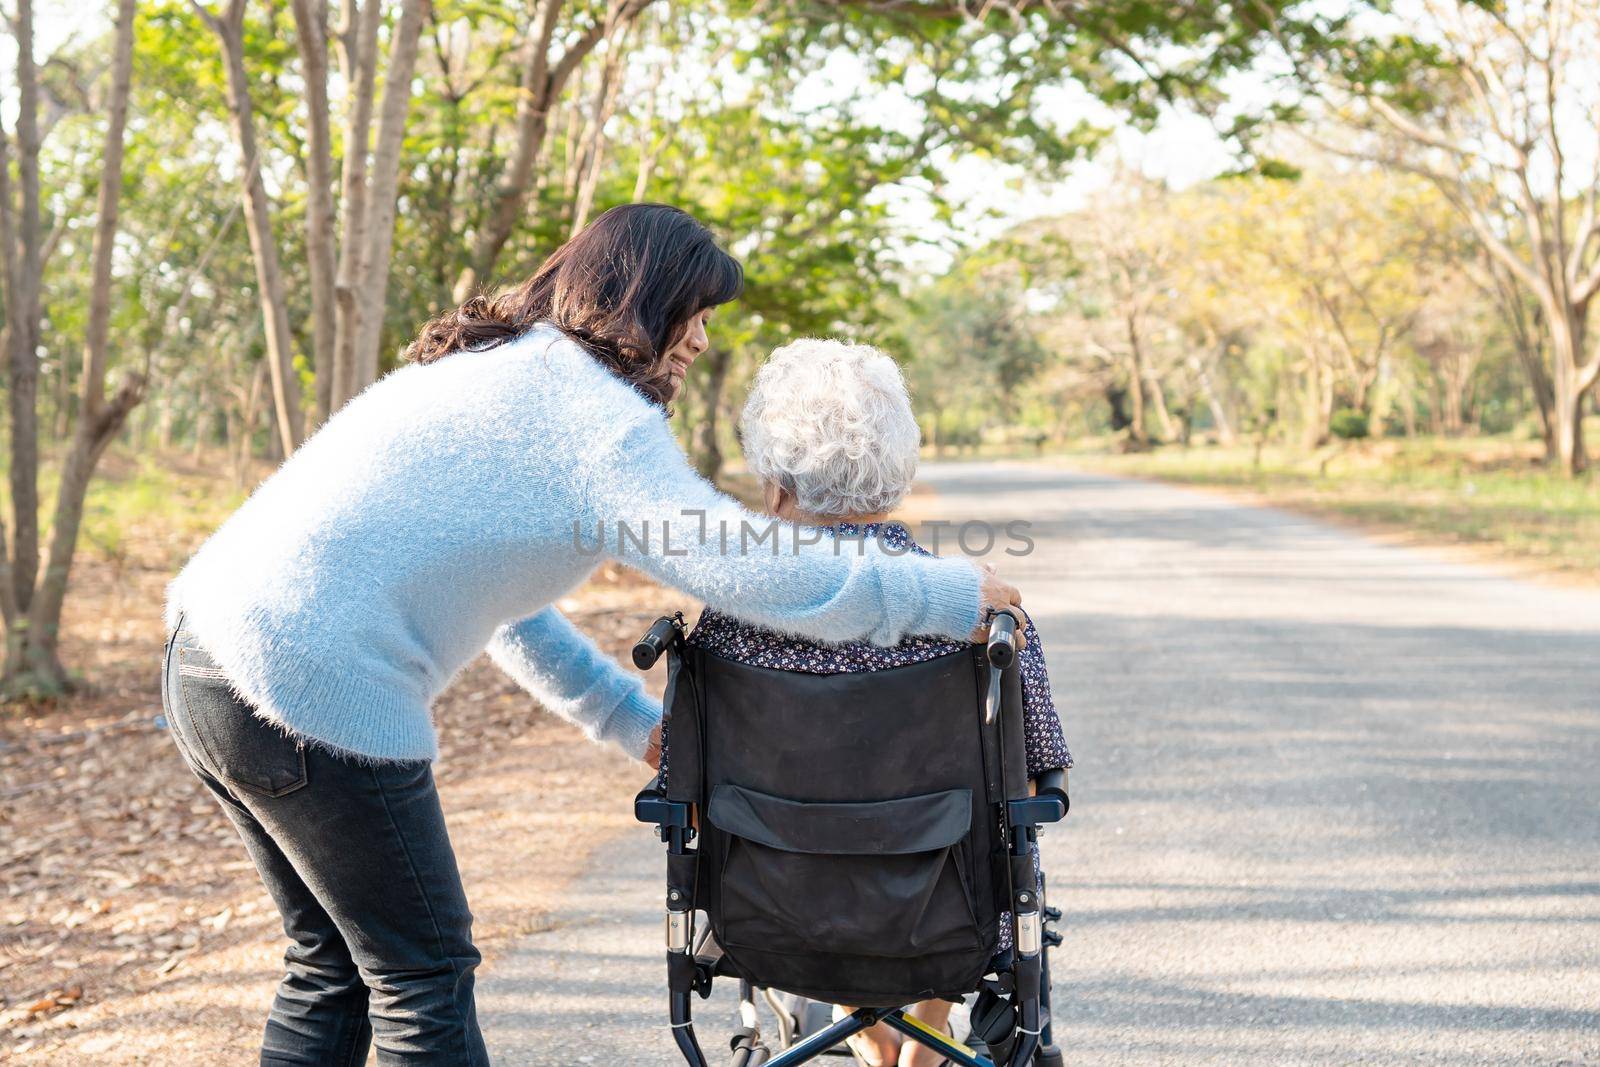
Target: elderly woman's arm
point(793, 579)
point(1043, 739)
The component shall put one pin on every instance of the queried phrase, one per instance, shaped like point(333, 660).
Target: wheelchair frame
point(1026, 981)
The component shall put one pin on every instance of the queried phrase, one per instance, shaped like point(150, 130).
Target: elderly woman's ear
point(775, 499)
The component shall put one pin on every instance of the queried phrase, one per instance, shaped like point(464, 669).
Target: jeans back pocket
point(244, 749)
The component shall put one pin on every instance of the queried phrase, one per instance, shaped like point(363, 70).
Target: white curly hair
point(831, 423)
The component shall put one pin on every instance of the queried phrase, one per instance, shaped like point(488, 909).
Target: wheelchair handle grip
point(1052, 783)
point(1002, 644)
point(655, 641)
point(1052, 786)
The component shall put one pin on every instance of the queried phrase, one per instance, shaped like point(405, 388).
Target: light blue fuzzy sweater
point(434, 515)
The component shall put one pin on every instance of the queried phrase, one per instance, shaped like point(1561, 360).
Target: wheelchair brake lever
point(1001, 652)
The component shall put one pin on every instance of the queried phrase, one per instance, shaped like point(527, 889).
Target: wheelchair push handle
point(1002, 643)
point(655, 641)
point(1053, 783)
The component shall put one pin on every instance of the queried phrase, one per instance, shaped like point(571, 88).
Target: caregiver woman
point(433, 516)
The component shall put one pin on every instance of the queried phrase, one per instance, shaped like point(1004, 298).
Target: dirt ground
point(133, 929)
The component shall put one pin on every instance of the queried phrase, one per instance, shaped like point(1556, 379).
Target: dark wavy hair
point(624, 287)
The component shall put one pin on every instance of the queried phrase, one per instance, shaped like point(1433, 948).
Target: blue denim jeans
point(358, 861)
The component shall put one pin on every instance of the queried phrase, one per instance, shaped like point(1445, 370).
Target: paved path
point(1336, 802)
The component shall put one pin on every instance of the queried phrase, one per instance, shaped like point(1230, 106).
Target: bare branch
point(541, 85)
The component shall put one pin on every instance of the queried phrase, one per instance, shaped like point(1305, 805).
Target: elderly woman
point(828, 429)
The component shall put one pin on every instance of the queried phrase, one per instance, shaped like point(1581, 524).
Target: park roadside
point(1485, 499)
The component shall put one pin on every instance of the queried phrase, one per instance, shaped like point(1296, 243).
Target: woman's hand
point(652, 751)
point(995, 594)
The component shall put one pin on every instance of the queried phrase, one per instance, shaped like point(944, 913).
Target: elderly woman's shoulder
point(894, 536)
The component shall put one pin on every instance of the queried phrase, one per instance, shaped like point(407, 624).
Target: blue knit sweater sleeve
point(553, 660)
point(649, 509)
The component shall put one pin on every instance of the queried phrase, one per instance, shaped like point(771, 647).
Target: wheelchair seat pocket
point(882, 879)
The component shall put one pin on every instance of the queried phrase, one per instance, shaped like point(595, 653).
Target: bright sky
point(1181, 150)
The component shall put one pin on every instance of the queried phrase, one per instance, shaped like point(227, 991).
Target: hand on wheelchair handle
point(652, 751)
point(996, 594)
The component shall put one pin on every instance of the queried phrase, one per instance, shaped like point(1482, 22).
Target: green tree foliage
point(1251, 305)
point(1348, 424)
point(970, 351)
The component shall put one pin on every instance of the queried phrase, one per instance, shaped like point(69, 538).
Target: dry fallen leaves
point(54, 1000)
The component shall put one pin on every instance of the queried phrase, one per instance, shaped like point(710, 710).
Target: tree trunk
point(1435, 401)
point(1571, 457)
point(258, 224)
point(708, 456)
point(23, 389)
point(8, 262)
point(358, 39)
point(1158, 399)
point(1221, 417)
point(24, 260)
point(605, 103)
point(1571, 381)
point(379, 227)
point(1528, 342)
point(1361, 391)
point(1116, 401)
point(63, 400)
point(98, 421)
point(1544, 397)
point(240, 454)
point(1136, 421)
point(202, 401)
point(311, 34)
point(94, 433)
point(1319, 401)
point(166, 420)
point(1454, 385)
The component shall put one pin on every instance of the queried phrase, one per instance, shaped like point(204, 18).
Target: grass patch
point(1485, 491)
point(170, 501)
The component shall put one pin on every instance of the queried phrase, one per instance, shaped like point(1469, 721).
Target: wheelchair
point(854, 839)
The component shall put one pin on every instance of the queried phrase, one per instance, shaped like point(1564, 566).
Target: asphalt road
point(1336, 802)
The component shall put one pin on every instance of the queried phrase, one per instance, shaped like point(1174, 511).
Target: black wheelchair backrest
point(853, 847)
